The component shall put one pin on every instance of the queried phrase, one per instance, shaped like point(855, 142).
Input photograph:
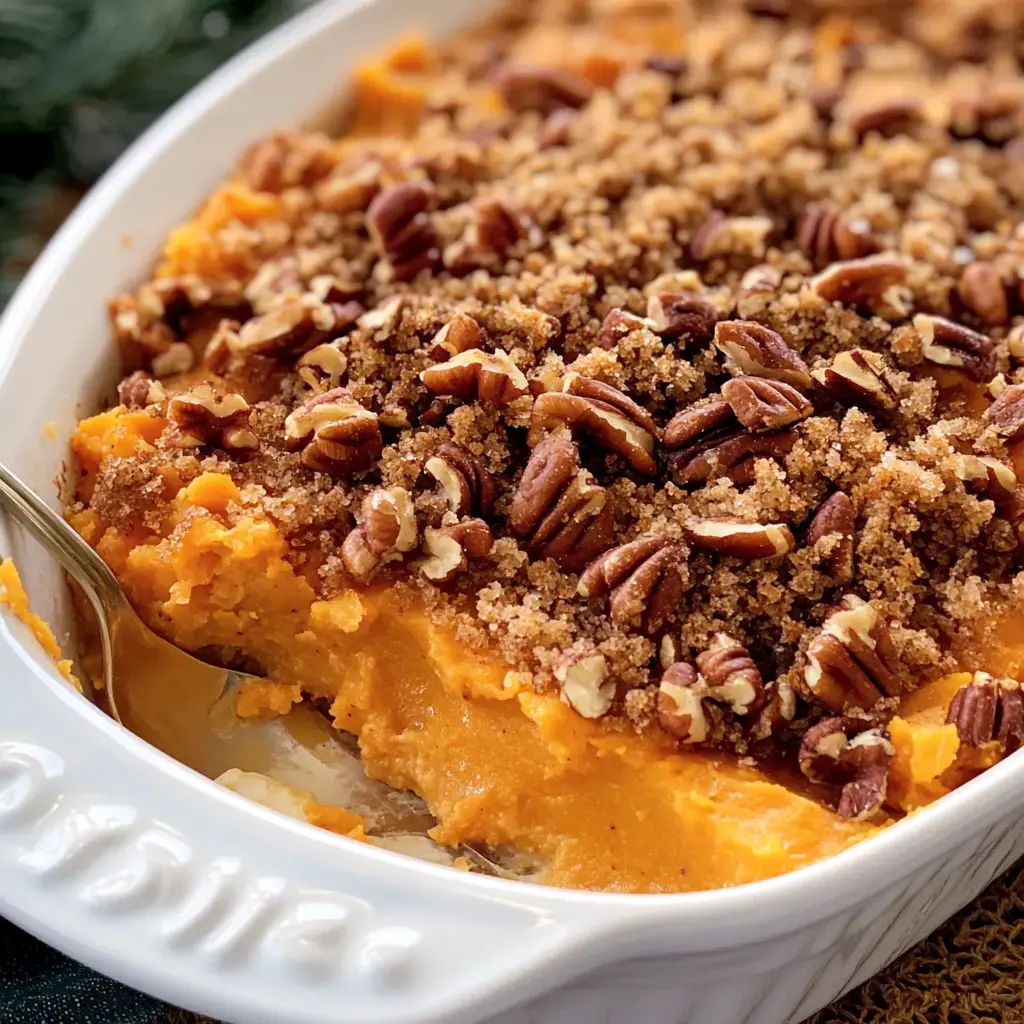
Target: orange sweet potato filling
point(495, 762)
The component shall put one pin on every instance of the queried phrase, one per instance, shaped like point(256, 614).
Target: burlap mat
point(971, 971)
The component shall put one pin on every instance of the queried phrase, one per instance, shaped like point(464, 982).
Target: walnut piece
point(644, 577)
point(858, 377)
point(752, 348)
point(399, 223)
point(831, 533)
point(763, 405)
point(491, 378)
point(738, 539)
point(988, 710)
point(559, 509)
point(449, 548)
point(322, 368)
point(465, 482)
point(946, 343)
point(851, 662)
point(388, 530)
point(585, 684)
point(850, 753)
point(827, 235)
point(201, 417)
point(335, 433)
point(138, 390)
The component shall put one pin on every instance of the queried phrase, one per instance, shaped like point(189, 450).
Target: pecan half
point(644, 578)
point(850, 753)
point(720, 536)
point(831, 533)
point(988, 710)
point(460, 334)
point(758, 286)
point(1006, 414)
point(467, 485)
point(292, 328)
point(335, 433)
point(889, 118)
point(719, 235)
point(600, 412)
point(983, 292)
point(858, 377)
point(986, 477)
point(864, 282)
point(763, 405)
point(616, 325)
point(388, 530)
point(728, 669)
point(498, 225)
point(138, 390)
point(681, 314)
point(946, 343)
point(559, 509)
point(754, 349)
point(491, 378)
point(852, 662)
point(201, 417)
point(585, 685)
point(825, 235)
point(322, 368)
point(449, 548)
point(544, 89)
point(399, 223)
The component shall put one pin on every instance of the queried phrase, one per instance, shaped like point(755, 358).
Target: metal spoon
point(185, 706)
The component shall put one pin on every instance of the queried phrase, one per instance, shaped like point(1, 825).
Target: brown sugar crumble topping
point(653, 351)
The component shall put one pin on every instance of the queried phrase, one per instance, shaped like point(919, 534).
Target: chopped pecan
point(388, 530)
point(852, 662)
point(832, 528)
point(601, 412)
point(858, 377)
point(322, 368)
point(498, 225)
point(680, 704)
point(763, 405)
point(826, 235)
point(757, 288)
point(383, 320)
point(449, 548)
point(865, 282)
point(491, 378)
point(986, 477)
point(988, 710)
point(335, 433)
point(544, 89)
point(731, 674)
point(720, 536)
point(616, 325)
point(730, 236)
point(644, 578)
point(951, 344)
point(585, 684)
point(1006, 414)
point(889, 118)
point(557, 128)
point(991, 114)
point(400, 226)
point(290, 329)
point(347, 190)
point(460, 334)
point(982, 290)
point(850, 753)
point(681, 314)
point(201, 417)
point(559, 509)
point(466, 483)
point(1015, 343)
point(138, 390)
point(754, 349)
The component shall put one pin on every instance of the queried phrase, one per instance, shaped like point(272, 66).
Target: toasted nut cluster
point(544, 89)
point(982, 290)
point(644, 578)
point(850, 753)
point(1006, 414)
point(400, 226)
point(459, 335)
point(831, 534)
point(730, 236)
point(865, 282)
point(491, 378)
point(763, 405)
point(465, 482)
point(559, 509)
point(989, 710)
point(986, 477)
point(335, 433)
point(585, 684)
point(138, 391)
point(292, 328)
point(754, 349)
point(322, 368)
point(827, 235)
point(681, 315)
point(738, 539)
point(388, 530)
point(600, 412)
point(851, 662)
point(858, 377)
point(946, 343)
point(449, 548)
point(616, 325)
point(202, 417)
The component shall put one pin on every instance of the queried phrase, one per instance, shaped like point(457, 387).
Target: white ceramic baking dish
point(146, 871)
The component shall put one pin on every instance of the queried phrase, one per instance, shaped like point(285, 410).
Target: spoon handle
point(60, 540)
